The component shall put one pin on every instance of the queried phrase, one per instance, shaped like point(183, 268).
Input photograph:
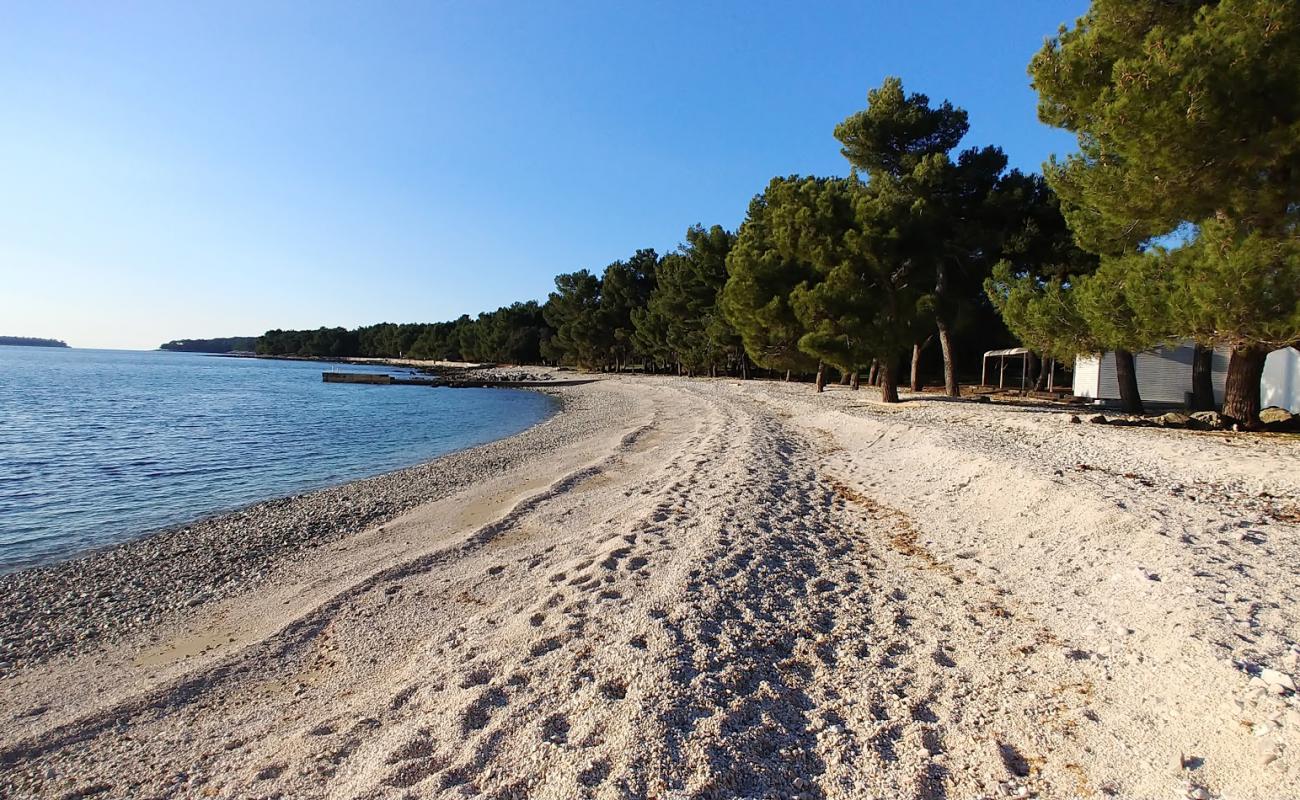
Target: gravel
point(101, 597)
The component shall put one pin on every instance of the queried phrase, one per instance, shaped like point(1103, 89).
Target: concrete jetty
point(452, 383)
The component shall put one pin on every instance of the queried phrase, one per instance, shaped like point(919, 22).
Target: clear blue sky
point(169, 170)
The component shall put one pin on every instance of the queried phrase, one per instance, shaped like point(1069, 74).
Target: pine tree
point(901, 139)
point(573, 311)
point(681, 322)
point(625, 287)
point(831, 257)
point(763, 267)
point(1188, 114)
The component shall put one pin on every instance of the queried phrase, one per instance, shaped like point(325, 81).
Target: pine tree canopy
point(1184, 111)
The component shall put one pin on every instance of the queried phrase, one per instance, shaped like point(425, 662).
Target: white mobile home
point(1164, 375)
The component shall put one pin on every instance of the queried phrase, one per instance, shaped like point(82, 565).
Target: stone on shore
point(1212, 421)
point(1274, 678)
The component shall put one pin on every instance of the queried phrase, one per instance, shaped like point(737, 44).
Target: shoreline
point(94, 584)
point(192, 522)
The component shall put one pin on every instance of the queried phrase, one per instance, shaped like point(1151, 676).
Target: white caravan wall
point(1280, 385)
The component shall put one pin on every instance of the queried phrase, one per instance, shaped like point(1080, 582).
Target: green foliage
point(573, 311)
point(440, 341)
point(229, 344)
point(821, 272)
point(1187, 116)
point(625, 287)
point(896, 132)
point(1112, 298)
point(963, 212)
point(1235, 290)
point(1035, 237)
point(865, 303)
point(764, 267)
point(1184, 111)
point(1043, 314)
point(512, 334)
point(31, 341)
point(1117, 307)
point(682, 321)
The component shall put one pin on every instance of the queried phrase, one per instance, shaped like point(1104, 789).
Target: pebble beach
point(696, 589)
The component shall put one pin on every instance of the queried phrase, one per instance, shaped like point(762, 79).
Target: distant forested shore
point(31, 341)
point(229, 344)
point(1177, 220)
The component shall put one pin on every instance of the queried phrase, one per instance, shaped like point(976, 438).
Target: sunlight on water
point(101, 445)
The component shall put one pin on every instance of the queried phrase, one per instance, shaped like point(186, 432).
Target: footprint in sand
point(942, 659)
point(420, 747)
point(547, 645)
point(476, 715)
point(402, 698)
point(412, 772)
point(477, 677)
point(555, 729)
point(595, 774)
point(613, 690)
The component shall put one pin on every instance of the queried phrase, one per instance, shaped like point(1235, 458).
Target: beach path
point(735, 591)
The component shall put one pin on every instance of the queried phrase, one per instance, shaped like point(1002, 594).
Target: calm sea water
point(99, 445)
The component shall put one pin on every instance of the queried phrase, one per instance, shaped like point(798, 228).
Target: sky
point(192, 170)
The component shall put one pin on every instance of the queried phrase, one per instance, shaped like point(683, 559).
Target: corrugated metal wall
point(1165, 376)
point(1280, 385)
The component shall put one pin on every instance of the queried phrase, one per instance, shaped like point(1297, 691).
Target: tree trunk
point(844, 379)
point(1035, 370)
point(744, 367)
point(1241, 390)
point(854, 382)
point(888, 382)
point(821, 377)
point(950, 387)
point(787, 376)
point(1130, 399)
point(1202, 379)
point(871, 376)
point(916, 366)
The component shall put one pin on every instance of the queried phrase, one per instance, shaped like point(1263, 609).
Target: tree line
point(227, 344)
point(1185, 187)
point(845, 274)
point(514, 334)
point(1175, 220)
point(31, 341)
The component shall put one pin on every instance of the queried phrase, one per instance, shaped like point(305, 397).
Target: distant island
point(31, 341)
point(229, 344)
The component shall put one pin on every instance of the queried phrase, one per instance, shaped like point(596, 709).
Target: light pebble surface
point(81, 603)
point(707, 589)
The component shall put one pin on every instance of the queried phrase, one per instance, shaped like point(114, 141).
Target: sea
point(99, 446)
